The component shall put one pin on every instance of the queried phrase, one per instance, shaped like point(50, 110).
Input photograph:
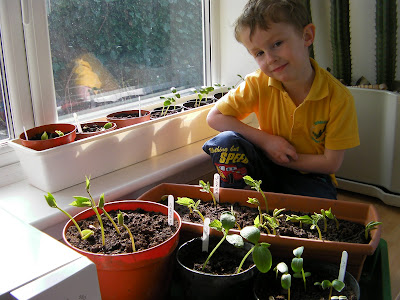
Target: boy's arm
point(276, 148)
point(327, 163)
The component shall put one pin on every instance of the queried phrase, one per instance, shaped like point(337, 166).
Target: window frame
point(27, 63)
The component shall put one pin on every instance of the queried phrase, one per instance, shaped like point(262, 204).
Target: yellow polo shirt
point(326, 119)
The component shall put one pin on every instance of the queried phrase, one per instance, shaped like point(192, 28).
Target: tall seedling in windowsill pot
point(127, 268)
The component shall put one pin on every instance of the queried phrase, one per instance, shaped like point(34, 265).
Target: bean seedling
point(256, 185)
point(101, 206)
point(168, 101)
point(335, 284)
point(189, 203)
point(51, 201)
point(120, 218)
point(206, 188)
point(306, 219)
point(328, 214)
point(370, 226)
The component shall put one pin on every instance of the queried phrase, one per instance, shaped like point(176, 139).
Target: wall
point(362, 20)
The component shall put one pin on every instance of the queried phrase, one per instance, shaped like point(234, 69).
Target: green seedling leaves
point(51, 201)
point(216, 224)
point(370, 226)
point(81, 202)
point(228, 220)
point(297, 265)
point(286, 281)
point(335, 284)
point(235, 240)
point(298, 252)
point(281, 267)
point(59, 132)
point(205, 187)
point(86, 233)
point(120, 219)
point(262, 257)
point(44, 136)
point(251, 233)
point(185, 201)
point(107, 125)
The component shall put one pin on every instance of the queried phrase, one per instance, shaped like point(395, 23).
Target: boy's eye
point(277, 44)
point(259, 53)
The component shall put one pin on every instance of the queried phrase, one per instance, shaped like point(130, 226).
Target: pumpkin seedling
point(306, 219)
point(206, 188)
point(168, 101)
point(120, 218)
point(226, 222)
point(256, 185)
point(370, 226)
point(328, 214)
point(335, 284)
point(51, 201)
point(286, 278)
point(261, 255)
point(297, 265)
point(189, 203)
point(89, 202)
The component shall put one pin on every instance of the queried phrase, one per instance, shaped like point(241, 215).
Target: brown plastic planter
point(123, 122)
point(327, 251)
point(84, 135)
point(68, 137)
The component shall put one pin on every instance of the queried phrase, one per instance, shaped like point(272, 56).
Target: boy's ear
point(309, 34)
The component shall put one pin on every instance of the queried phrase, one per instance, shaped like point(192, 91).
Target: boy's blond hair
point(261, 13)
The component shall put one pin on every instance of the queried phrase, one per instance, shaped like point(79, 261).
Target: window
point(108, 53)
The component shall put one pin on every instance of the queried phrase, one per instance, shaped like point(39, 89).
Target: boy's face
point(282, 51)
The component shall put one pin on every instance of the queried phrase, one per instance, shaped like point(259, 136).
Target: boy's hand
point(279, 150)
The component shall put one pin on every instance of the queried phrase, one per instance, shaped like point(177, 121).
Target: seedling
point(101, 206)
point(256, 185)
point(168, 101)
point(261, 255)
point(107, 125)
point(297, 265)
point(313, 221)
point(286, 279)
point(335, 284)
point(271, 221)
point(203, 91)
point(328, 214)
point(224, 224)
point(295, 218)
point(89, 202)
point(189, 203)
point(52, 203)
point(260, 214)
point(370, 226)
point(120, 218)
point(207, 189)
point(44, 136)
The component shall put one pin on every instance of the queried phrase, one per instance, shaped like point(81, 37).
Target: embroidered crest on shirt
point(318, 131)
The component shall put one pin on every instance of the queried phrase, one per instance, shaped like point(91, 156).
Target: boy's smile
point(281, 51)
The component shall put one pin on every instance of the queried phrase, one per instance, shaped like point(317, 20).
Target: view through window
point(108, 53)
point(4, 133)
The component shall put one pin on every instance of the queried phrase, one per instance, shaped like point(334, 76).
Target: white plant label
point(343, 265)
point(216, 187)
point(170, 210)
point(206, 235)
point(140, 111)
point(78, 125)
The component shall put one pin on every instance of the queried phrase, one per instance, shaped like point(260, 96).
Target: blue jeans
point(234, 157)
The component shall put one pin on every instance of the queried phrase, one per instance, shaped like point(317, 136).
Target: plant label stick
point(216, 187)
point(206, 235)
point(26, 136)
point(78, 125)
point(343, 264)
point(170, 210)
point(140, 111)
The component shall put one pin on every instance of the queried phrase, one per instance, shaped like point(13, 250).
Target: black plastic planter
point(206, 286)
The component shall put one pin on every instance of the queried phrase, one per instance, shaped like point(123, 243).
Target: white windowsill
point(27, 202)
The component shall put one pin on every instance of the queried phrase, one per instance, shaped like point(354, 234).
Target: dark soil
point(194, 104)
point(224, 261)
point(149, 229)
point(349, 232)
point(267, 285)
point(126, 116)
point(51, 135)
point(159, 112)
point(93, 127)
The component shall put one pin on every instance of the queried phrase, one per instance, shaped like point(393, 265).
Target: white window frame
point(27, 58)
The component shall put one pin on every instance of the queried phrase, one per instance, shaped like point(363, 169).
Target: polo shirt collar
point(319, 89)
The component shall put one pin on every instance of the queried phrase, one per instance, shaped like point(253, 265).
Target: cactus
point(386, 27)
point(340, 40)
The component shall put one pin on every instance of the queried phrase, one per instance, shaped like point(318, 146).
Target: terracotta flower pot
point(328, 251)
point(200, 285)
point(84, 134)
point(141, 275)
point(68, 137)
point(128, 117)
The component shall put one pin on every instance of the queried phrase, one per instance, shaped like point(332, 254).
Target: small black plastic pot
point(197, 103)
point(206, 286)
point(263, 282)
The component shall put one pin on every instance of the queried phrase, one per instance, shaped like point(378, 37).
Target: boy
point(306, 117)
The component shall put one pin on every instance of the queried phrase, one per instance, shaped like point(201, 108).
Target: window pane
point(101, 48)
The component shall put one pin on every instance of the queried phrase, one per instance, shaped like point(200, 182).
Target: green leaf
point(59, 132)
point(44, 136)
point(282, 267)
point(107, 125)
point(298, 252)
point(216, 224)
point(185, 201)
point(326, 284)
point(227, 220)
point(120, 218)
point(86, 233)
point(101, 201)
point(253, 201)
point(286, 281)
point(81, 202)
point(297, 264)
point(338, 285)
point(51, 201)
point(235, 240)
point(251, 233)
point(262, 257)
